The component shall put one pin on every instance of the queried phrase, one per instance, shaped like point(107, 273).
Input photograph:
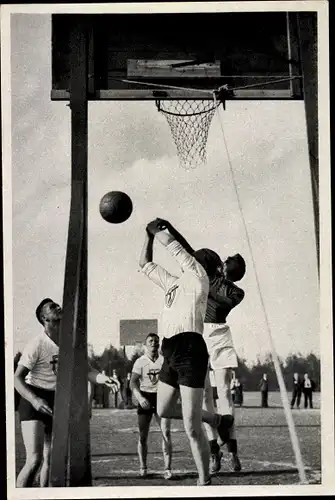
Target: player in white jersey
point(35, 381)
point(223, 296)
point(183, 348)
point(143, 383)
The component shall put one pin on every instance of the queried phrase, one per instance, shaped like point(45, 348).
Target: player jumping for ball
point(144, 382)
point(184, 350)
point(35, 381)
point(224, 295)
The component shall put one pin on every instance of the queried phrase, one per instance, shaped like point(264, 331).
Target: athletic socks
point(232, 446)
point(214, 447)
point(226, 421)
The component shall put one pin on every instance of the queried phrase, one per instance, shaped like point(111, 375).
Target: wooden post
point(70, 456)
point(307, 22)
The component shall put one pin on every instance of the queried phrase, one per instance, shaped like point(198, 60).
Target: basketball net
point(189, 121)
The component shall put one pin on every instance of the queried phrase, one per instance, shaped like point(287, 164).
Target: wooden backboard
point(141, 56)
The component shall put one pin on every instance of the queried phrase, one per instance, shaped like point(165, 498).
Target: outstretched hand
point(164, 224)
point(155, 226)
point(112, 383)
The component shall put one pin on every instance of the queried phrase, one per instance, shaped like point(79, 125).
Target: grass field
point(264, 442)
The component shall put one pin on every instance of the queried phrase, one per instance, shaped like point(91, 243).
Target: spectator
point(238, 392)
point(296, 391)
point(213, 385)
point(264, 388)
point(308, 386)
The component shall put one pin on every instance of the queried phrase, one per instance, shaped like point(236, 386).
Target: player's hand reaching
point(154, 227)
point(42, 406)
point(144, 403)
point(113, 384)
point(164, 224)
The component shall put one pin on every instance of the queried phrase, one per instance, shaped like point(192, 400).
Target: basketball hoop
point(189, 121)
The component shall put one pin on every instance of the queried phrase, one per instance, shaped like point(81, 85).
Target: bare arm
point(177, 236)
point(146, 254)
point(135, 387)
point(157, 229)
point(165, 237)
point(97, 378)
point(23, 389)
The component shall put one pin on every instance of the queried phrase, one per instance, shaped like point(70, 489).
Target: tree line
point(249, 375)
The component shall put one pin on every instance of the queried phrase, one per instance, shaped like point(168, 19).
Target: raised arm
point(177, 236)
point(146, 253)
point(187, 261)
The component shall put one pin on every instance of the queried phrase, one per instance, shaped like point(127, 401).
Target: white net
point(189, 121)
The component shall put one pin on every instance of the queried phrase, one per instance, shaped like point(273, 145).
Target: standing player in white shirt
point(35, 381)
point(183, 348)
point(223, 296)
point(144, 383)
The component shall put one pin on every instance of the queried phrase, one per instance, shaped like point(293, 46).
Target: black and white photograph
point(167, 239)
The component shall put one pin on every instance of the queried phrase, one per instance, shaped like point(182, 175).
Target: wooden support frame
point(307, 29)
point(70, 459)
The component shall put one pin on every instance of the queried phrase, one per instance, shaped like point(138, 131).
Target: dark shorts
point(185, 360)
point(28, 412)
point(152, 398)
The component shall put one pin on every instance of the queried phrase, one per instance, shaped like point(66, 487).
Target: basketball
point(115, 207)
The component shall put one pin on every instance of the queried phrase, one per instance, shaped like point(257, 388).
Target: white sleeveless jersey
point(148, 371)
point(40, 356)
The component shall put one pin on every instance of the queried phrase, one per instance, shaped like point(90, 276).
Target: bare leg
point(223, 379)
point(167, 407)
point(212, 434)
point(165, 426)
point(33, 438)
point(142, 447)
point(192, 400)
point(44, 474)
point(208, 405)
point(226, 407)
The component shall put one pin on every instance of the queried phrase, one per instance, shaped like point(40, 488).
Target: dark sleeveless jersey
point(218, 307)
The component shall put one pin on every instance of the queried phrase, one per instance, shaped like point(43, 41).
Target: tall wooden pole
point(307, 26)
point(70, 456)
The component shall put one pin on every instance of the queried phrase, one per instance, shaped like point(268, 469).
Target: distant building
point(133, 333)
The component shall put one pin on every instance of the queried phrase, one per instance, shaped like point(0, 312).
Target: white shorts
point(220, 346)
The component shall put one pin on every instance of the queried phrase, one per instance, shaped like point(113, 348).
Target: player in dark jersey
point(224, 295)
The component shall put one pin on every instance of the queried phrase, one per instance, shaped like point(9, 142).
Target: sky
point(131, 149)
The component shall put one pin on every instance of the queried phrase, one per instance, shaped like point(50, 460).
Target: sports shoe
point(235, 463)
point(143, 471)
point(215, 462)
point(167, 474)
point(224, 427)
point(207, 483)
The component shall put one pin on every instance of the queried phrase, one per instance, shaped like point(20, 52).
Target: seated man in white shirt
point(144, 383)
point(183, 347)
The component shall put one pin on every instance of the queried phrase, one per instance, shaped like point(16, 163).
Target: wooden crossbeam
point(70, 456)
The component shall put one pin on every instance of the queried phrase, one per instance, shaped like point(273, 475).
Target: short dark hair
point(151, 335)
point(209, 260)
point(40, 307)
point(238, 274)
